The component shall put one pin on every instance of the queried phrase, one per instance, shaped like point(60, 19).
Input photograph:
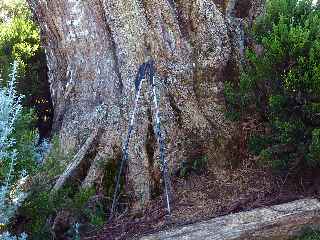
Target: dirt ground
point(214, 193)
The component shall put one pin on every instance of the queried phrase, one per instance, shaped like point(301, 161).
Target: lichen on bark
point(94, 49)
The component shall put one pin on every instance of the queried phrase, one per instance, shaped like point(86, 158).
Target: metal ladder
point(146, 72)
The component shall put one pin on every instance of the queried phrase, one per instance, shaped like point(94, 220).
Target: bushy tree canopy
point(20, 41)
point(19, 36)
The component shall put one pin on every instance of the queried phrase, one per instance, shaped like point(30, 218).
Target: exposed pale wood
point(277, 223)
point(77, 161)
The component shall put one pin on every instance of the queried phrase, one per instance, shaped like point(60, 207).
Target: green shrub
point(12, 8)
point(17, 149)
point(310, 235)
point(44, 205)
point(193, 166)
point(314, 148)
point(55, 162)
point(20, 42)
point(282, 83)
point(26, 137)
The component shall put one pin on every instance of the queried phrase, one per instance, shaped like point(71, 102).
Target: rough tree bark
point(94, 48)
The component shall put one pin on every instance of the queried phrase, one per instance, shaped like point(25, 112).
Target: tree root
point(79, 159)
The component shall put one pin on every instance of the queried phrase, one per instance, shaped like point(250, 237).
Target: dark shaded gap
point(222, 5)
point(84, 167)
point(37, 85)
point(113, 46)
point(150, 149)
point(195, 161)
point(176, 110)
point(242, 8)
point(184, 26)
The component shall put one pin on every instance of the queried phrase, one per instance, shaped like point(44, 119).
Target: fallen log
point(77, 161)
point(280, 222)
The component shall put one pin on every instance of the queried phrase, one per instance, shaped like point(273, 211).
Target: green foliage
point(19, 38)
point(11, 8)
point(25, 138)
point(310, 235)
point(55, 162)
point(196, 165)
point(26, 141)
point(17, 149)
point(110, 174)
point(44, 205)
point(314, 148)
point(258, 143)
point(97, 216)
point(233, 105)
point(20, 41)
point(282, 83)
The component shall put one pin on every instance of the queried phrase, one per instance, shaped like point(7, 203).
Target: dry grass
point(215, 193)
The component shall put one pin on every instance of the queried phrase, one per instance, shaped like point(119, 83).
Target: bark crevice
point(113, 46)
point(104, 42)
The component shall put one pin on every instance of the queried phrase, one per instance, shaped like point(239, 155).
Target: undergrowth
point(310, 235)
point(41, 208)
point(17, 152)
point(195, 165)
point(85, 209)
point(279, 85)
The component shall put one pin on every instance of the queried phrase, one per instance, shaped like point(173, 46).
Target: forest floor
point(214, 193)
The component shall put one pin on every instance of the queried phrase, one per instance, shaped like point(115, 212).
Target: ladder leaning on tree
point(146, 72)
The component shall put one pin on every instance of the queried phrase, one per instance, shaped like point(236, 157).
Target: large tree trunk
point(94, 48)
